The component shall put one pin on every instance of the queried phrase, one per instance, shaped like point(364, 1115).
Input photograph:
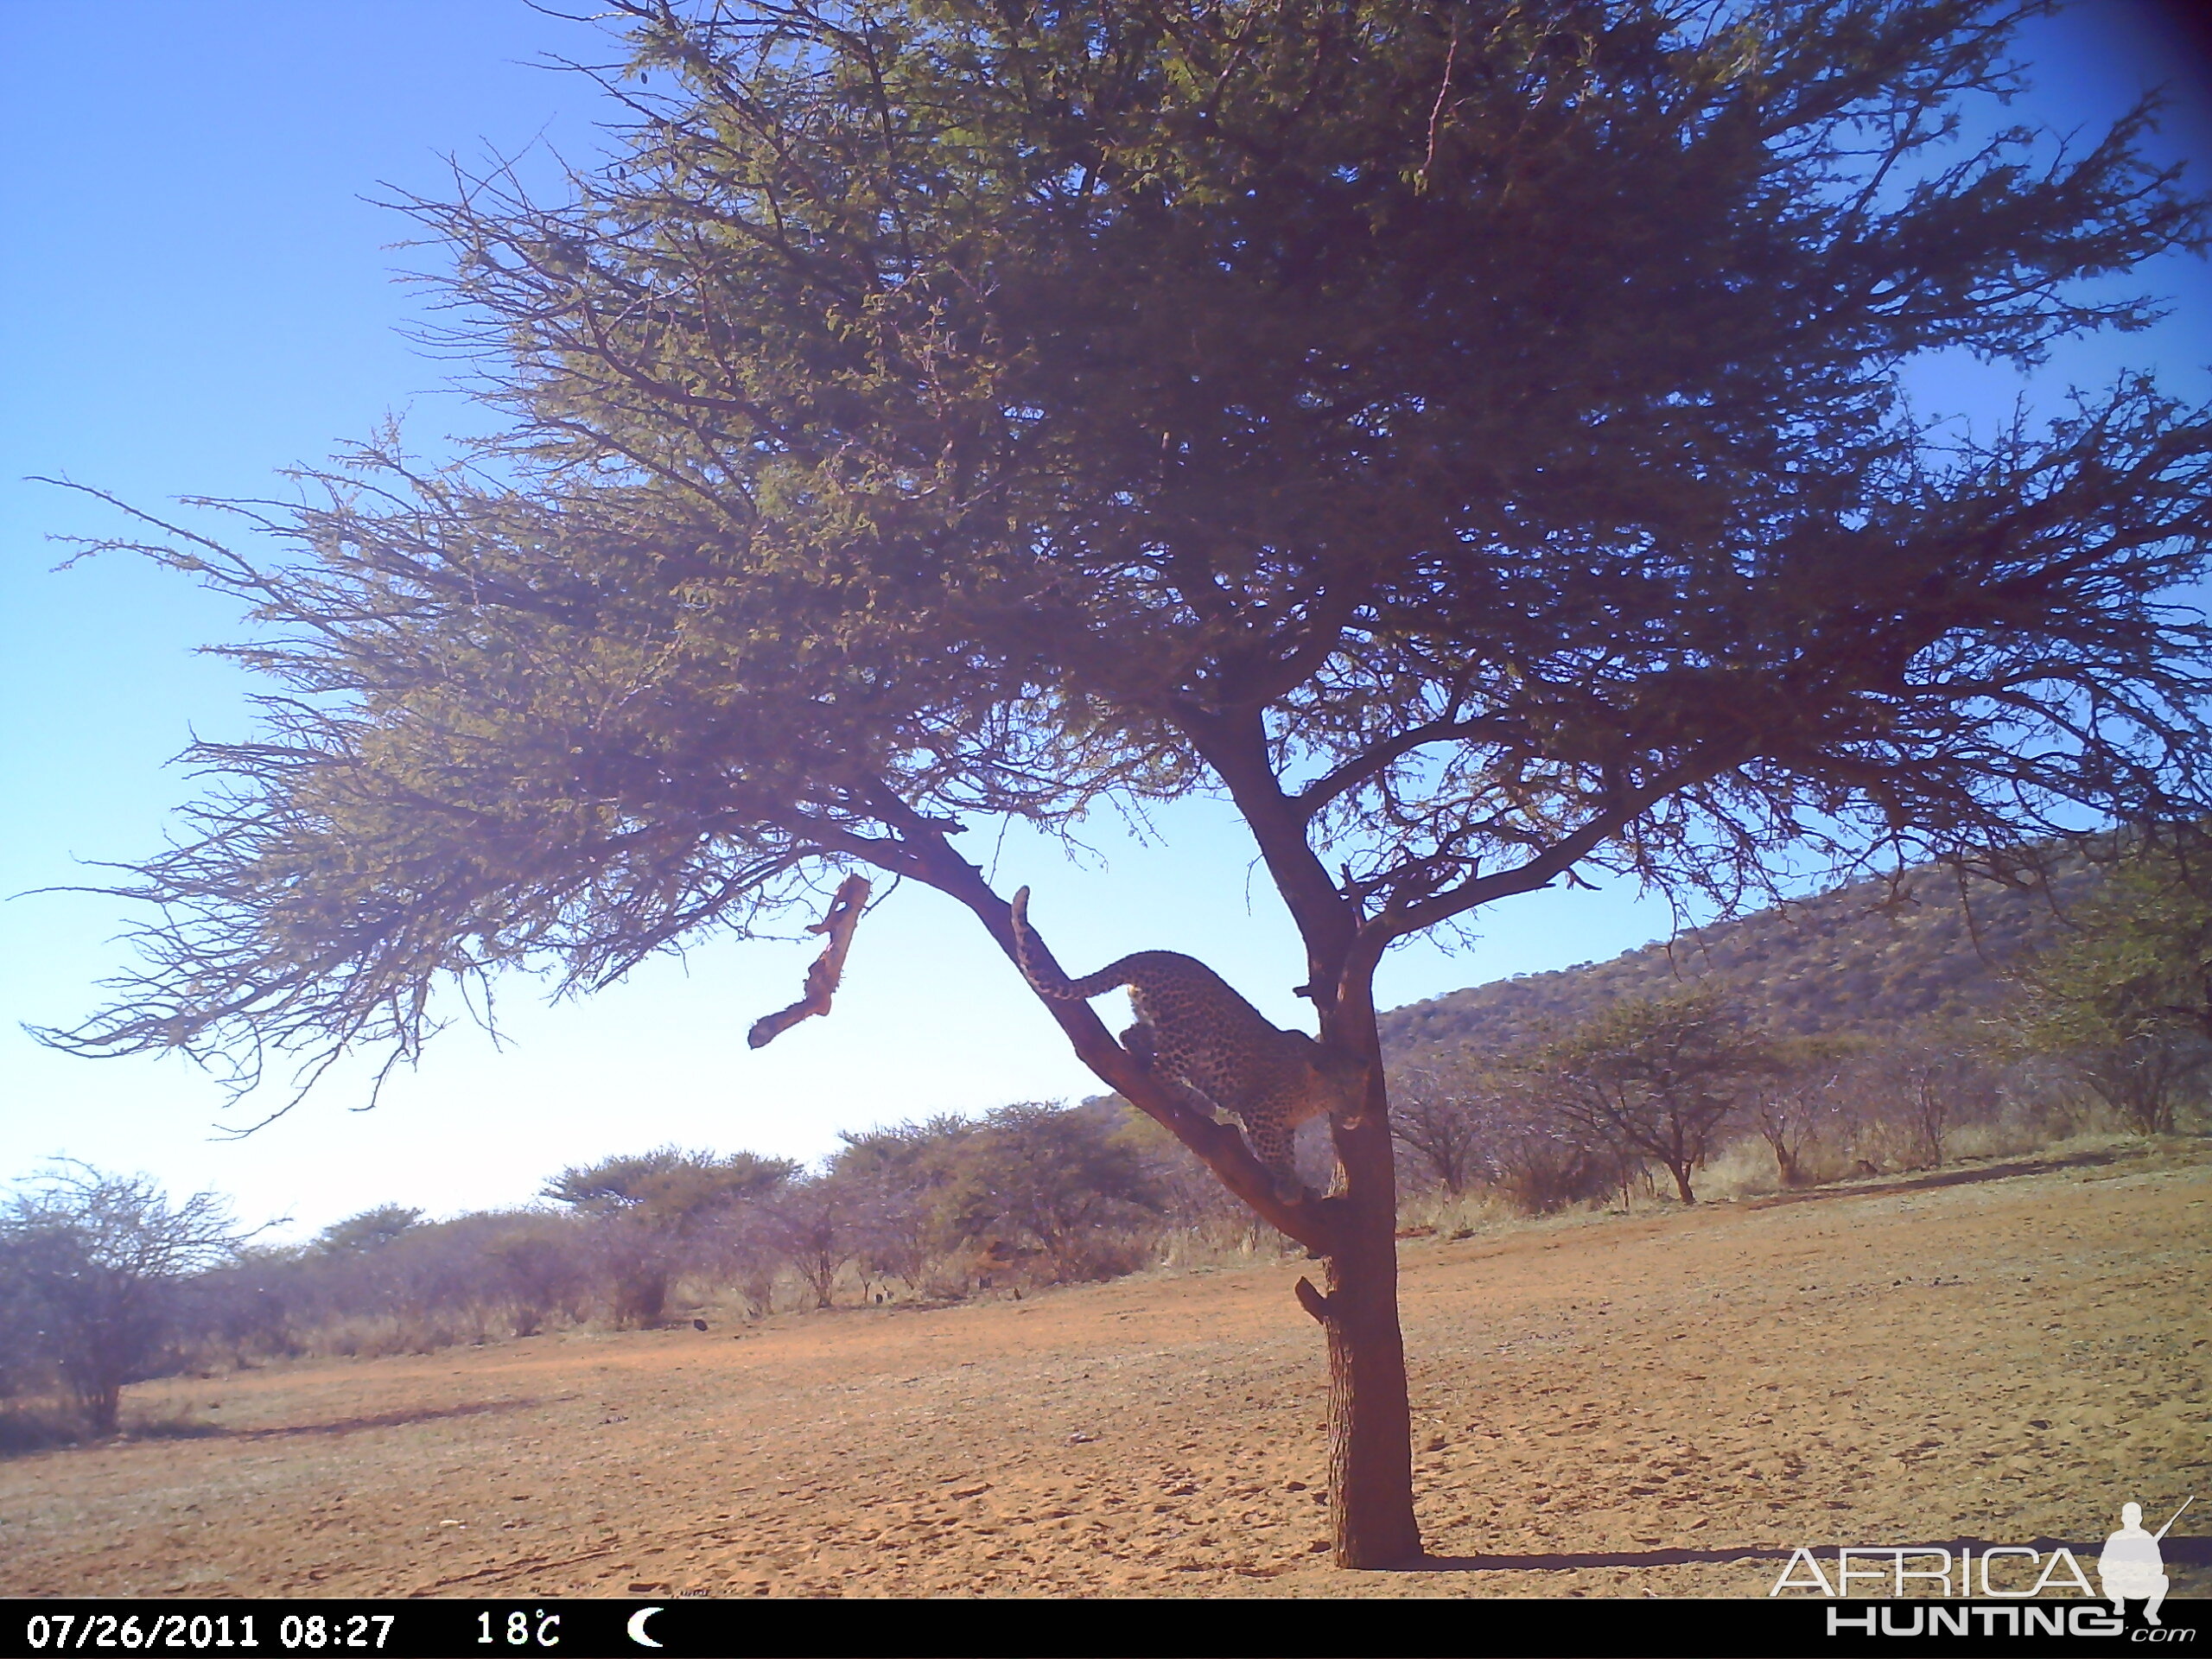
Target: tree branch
point(1221, 1146)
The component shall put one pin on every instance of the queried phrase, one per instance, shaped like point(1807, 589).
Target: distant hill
point(1866, 958)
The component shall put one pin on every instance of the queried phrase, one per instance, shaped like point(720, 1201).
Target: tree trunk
point(1681, 1175)
point(1370, 1424)
point(1355, 1229)
point(1786, 1163)
point(1785, 1157)
point(103, 1406)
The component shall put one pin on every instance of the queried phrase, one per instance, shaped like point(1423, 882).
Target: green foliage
point(1051, 1174)
point(2136, 961)
point(669, 1186)
point(1469, 434)
point(656, 1215)
point(920, 1156)
point(2126, 993)
point(1065, 1182)
point(368, 1230)
point(1659, 1076)
point(1470, 437)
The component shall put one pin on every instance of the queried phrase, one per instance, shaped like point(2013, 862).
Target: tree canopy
point(371, 1230)
point(669, 1186)
point(1470, 436)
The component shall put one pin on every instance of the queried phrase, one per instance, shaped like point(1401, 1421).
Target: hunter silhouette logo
point(2131, 1566)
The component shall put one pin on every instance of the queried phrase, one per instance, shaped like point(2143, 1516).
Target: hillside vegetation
point(1859, 959)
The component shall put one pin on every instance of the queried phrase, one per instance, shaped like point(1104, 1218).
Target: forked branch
point(1220, 1147)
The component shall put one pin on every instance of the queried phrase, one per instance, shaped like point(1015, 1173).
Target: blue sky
point(194, 294)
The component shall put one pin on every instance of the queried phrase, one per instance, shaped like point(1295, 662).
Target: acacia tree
point(1788, 1100)
point(1465, 435)
point(1053, 1173)
point(1936, 1078)
point(1658, 1077)
point(95, 1262)
point(654, 1210)
point(906, 1170)
point(371, 1230)
point(1435, 1114)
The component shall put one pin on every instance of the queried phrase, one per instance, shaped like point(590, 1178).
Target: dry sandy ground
point(1609, 1407)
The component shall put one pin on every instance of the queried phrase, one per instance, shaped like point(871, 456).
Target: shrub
point(94, 1263)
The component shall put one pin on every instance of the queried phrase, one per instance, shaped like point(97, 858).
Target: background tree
point(1939, 1078)
point(1539, 1158)
point(1659, 1076)
point(370, 1230)
point(1468, 436)
point(1790, 1099)
point(27, 1361)
point(1195, 1207)
point(96, 1261)
point(1056, 1179)
point(541, 1270)
point(906, 1170)
point(818, 1227)
point(655, 1211)
point(1437, 1114)
point(2126, 996)
point(671, 1182)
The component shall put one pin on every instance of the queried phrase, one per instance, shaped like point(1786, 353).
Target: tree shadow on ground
point(24, 1432)
point(354, 1425)
point(1948, 1178)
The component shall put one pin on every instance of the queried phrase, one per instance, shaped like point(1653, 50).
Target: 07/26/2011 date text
point(198, 1632)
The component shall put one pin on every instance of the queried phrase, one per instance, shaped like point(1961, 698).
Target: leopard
point(1195, 1029)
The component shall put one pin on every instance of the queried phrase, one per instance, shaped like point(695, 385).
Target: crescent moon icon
point(637, 1627)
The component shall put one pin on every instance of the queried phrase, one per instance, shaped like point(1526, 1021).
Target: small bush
point(27, 1425)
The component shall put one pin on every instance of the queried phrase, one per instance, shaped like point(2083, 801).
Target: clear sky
point(194, 294)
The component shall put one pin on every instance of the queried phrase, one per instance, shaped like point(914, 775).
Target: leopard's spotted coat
point(1193, 1027)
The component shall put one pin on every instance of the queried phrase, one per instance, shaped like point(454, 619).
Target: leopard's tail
point(1047, 980)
